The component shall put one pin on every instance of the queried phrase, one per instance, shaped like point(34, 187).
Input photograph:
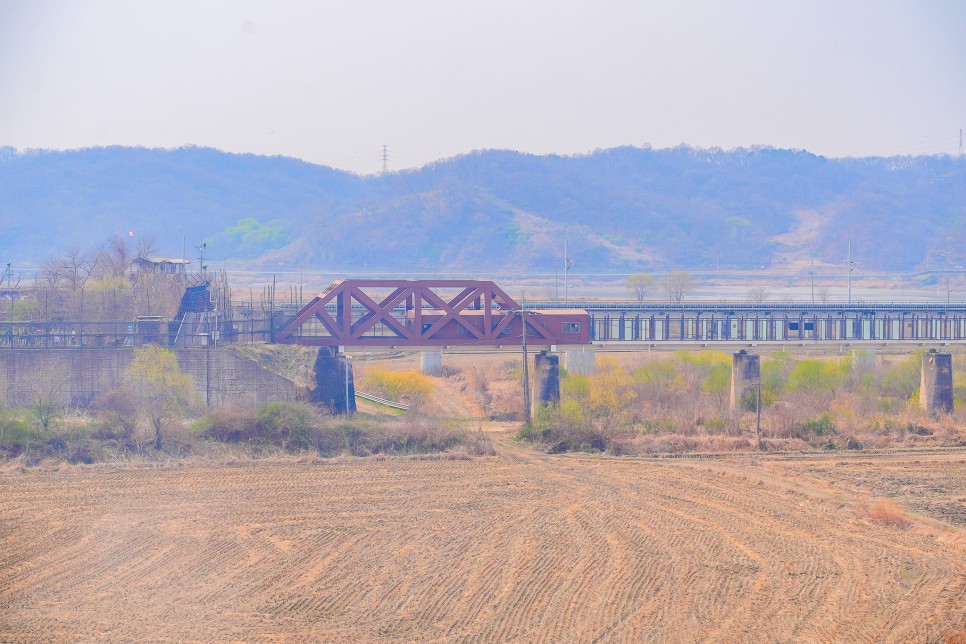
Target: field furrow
point(518, 547)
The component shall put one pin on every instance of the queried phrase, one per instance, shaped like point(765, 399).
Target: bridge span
point(778, 322)
point(478, 314)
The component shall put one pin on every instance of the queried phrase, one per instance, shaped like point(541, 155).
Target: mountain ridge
point(622, 208)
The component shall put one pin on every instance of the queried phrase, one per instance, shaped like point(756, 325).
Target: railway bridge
point(477, 315)
point(433, 315)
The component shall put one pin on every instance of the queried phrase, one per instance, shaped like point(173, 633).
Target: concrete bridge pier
point(431, 362)
point(546, 379)
point(580, 362)
point(936, 383)
point(334, 386)
point(745, 376)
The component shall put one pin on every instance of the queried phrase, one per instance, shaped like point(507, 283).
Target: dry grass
point(886, 513)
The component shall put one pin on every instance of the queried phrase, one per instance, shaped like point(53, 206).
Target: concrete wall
point(77, 378)
point(745, 374)
point(936, 383)
point(546, 379)
point(580, 362)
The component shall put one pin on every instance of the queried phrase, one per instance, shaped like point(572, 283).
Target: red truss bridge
point(427, 313)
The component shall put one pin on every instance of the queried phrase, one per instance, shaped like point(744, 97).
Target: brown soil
point(519, 547)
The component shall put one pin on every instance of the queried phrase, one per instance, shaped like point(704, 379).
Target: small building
point(161, 265)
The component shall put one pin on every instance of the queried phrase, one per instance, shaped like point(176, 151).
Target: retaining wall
point(77, 378)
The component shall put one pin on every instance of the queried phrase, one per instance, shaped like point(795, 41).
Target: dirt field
point(517, 547)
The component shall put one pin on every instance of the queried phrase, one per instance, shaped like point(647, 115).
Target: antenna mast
point(385, 159)
point(568, 264)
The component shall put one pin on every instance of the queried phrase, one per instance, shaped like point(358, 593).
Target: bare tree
point(481, 377)
point(824, 295)
point(677, 285)
point(114, 260)
point(758, 294)
point(144, 247)
point(641, 285)
point(43, 387)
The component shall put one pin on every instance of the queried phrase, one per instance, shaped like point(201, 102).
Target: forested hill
point(620, 209)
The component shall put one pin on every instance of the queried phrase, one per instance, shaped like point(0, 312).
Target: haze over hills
point(623, 209)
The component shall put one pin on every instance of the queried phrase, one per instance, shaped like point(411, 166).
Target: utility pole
point(812, 274)
point(960, 141)
point(849, 275)
point(568, 264)
point(385, 159)
point(201, 259)
point(526, 363)
point(758, 415)
point(345, 356)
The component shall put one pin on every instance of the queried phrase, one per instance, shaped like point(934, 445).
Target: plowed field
point(517, 547)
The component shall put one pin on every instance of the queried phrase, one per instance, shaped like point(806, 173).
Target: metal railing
point(382, 401)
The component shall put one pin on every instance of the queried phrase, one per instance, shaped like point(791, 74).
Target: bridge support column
point(936, 383)
point(334, 386)
point(745, 375)
point(546, 379)
point(431, 362)
point(580, 362)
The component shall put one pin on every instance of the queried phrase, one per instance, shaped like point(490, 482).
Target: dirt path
point(519, 547)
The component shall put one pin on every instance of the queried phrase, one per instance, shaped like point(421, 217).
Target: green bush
point(287, 425)
point(817, 376)
point(902, 379)
point(565, 427)
point(715, 425)
point(658, 373)
point(16, 431)
point(227, 424)
point(822, 425)
point(772, 380)
point(718, 380)
point(291, 424)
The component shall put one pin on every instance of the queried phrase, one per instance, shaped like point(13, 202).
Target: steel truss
point(412, 313)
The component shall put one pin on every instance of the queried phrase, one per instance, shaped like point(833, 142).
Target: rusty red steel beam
point(431, 318)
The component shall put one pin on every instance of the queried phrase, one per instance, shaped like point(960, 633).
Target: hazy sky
point(331, 82)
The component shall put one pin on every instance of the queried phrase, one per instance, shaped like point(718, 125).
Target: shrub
point(575, 388)
point(773, 374)
point(822, 425)
point(569, 427)
point(718, 380)
point(659, 373)
point(611, 388)
point(398, 384)
point(290, 424)
point(817, 376)
point(703, 358)
point(16, 432)
point(287, 425)
point(887, 513)
point(227, 424)
point(118, 411)
point(901, 380)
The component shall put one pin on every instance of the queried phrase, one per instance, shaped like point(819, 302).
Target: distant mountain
point(620, 209)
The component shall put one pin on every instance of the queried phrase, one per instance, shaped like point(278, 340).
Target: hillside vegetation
point(621, 209)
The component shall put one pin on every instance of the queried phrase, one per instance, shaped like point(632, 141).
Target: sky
point(333, 82)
